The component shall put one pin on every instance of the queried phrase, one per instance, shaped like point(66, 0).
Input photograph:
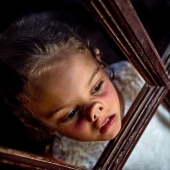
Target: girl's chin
point(113, 135)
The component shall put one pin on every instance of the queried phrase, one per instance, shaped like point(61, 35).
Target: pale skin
point(78, 100)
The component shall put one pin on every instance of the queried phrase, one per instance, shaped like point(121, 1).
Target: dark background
point(155, 15)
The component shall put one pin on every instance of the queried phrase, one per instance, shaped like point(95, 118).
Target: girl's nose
point(95, 111)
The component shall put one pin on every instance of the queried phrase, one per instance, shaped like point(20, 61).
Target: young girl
point(54, 78)
point(56, 83)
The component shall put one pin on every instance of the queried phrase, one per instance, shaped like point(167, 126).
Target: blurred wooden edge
point(31, 161)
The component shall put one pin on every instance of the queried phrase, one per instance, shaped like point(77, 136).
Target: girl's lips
point(107, 124)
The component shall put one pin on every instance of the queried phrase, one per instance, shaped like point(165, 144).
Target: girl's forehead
point(72, 64)
point(74, 57)
point(76, 71)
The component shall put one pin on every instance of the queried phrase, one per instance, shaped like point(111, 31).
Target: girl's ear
point(97, 54)
point(98, 57)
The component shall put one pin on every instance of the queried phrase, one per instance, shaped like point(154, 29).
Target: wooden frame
point(124, 27)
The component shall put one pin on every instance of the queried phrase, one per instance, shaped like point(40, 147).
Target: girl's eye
point(98, 87)
point(71, 115)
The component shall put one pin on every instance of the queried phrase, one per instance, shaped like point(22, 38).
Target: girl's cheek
point(110, 92)
point(80, 124)
point(107, 89)
point(77, 125)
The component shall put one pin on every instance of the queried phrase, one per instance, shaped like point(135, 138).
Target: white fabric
point(152, 151)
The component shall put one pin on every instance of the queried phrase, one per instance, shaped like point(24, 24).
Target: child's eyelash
point(98, 87)
point(71, 115)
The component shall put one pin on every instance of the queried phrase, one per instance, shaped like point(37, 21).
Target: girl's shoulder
point(126, 72)
point(124, 67)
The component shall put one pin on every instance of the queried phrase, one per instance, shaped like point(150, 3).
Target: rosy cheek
point(108, 88)
point(110, 93)
point(80, 124)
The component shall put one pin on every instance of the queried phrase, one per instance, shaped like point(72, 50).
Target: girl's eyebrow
point(50, 114)
point(93, 75)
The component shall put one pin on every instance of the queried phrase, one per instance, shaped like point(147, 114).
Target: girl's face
point(78, 100)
